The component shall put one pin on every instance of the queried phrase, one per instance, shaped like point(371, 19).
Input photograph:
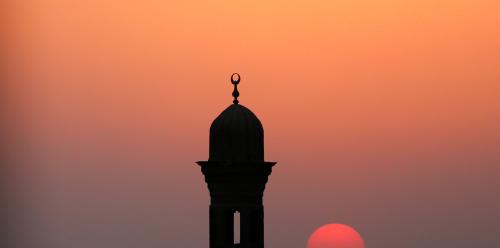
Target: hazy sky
point(383, 115)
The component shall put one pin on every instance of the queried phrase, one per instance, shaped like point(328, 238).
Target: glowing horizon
point(381, 114)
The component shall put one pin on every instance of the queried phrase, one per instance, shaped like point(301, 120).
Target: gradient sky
point(383, 115)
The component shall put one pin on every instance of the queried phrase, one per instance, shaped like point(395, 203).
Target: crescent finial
point(235, 80)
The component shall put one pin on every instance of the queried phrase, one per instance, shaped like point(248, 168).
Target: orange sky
point(383, 115)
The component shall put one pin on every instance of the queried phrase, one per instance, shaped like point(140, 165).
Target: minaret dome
point(236, 135)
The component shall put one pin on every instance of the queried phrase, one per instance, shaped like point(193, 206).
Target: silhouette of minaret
point(236, 175)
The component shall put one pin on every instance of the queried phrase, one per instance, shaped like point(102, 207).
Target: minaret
point(236, 175)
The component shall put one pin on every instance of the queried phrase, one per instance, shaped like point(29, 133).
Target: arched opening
point(237, 228)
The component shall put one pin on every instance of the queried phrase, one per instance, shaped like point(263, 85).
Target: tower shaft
point(236, 188)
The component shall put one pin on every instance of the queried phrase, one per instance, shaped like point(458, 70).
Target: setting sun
point(335, 236)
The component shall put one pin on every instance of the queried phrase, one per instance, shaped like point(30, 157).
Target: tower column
point(221, 227)
point(252, 227)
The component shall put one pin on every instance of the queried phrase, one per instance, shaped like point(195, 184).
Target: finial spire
point(235, 79)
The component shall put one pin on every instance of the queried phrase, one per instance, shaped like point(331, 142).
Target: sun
point(335, 236)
